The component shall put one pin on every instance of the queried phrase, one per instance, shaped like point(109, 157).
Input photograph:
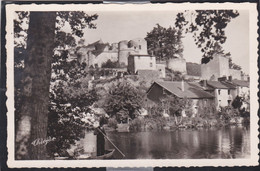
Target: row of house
point(202, 94)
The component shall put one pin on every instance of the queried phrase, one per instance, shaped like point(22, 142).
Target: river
point(213, 143)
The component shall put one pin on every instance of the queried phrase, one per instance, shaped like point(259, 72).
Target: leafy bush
point(112, 122)
point(123, 99)
point(136, 124)
point(110, 64)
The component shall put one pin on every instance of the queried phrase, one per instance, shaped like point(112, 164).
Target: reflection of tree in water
point(207, 145)
point(214, 143)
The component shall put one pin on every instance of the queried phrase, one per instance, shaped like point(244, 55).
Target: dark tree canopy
point(207, 26)
point(123, 100)
point(164, 43)
point(36, 59)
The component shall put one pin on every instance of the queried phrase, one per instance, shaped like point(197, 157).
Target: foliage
point(164, 43)
point(233, 65)
point(112, 122)
point(20, 28)
point(68, 101)
point(110, 64)
point(173, 75)
point(123, 100)
point(207, 27)
point(207, 112)
point(242, 104)
point(227, 113)
point(173, 105)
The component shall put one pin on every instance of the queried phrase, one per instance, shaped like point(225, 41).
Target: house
point(140, 62)
point(183, 90)
point(149, 76)
point(242, 87)
point(223, 91)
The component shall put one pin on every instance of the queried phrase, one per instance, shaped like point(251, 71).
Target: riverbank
point(172, 123)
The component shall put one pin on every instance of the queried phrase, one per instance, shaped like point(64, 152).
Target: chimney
point(182, 85)
point(230, 78)
point(222, 78)
point(204, 83)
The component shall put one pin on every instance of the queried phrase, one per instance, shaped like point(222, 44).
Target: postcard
point(132, 85)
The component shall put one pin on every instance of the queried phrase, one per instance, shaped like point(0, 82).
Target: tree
point(174, 106)
point(42, 39)
point(123, 100)
point(37, 70)
point(207, 27)
point(242, 104)
point(164, 43)
point(70, 101)
point(110, 64)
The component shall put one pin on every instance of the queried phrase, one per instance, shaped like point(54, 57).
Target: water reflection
point(232, 142)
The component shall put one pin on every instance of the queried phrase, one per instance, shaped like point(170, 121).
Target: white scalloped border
point(253, 47)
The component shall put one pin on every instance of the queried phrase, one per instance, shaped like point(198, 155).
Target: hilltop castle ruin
point(134, 56)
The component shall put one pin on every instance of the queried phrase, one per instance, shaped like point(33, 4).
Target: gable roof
point(189, 92)
point(220, 85)
point(200, 86)
point(241, 83)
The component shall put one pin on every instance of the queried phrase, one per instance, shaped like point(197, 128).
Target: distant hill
point(193, 69)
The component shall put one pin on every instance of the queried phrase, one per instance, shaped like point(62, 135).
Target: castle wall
point(223, 66)
point(123, 53)
point(132, 47)
point(138, 45)
point(82, 54)
point(140, 63)
point(219, 67)
point(144, 63)
point(105, 56)
point(211, 69)
point(236, 74)
point(177, 64)
point(131, 65)
point(91, 59)
point(161, 69)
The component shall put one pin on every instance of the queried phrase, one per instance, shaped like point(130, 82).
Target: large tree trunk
point(37, 71)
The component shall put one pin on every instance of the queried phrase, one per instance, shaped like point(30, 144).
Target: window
point(151, 64)
point(229, 102)
point(228, 92)
point(140, 47)
point(218, 92)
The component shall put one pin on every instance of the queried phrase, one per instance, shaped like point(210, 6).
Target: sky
point(113, 27)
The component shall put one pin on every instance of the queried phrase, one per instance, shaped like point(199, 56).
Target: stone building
point(218, 67)
point(183, 90)
point(132, 47)
point(97, 53)
point(140, 62)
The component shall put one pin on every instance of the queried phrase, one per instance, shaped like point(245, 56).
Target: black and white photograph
point(99, 85)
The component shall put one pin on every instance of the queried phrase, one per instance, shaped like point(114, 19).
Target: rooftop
point(241, 83)
point(190, 91)
point(220, 85)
